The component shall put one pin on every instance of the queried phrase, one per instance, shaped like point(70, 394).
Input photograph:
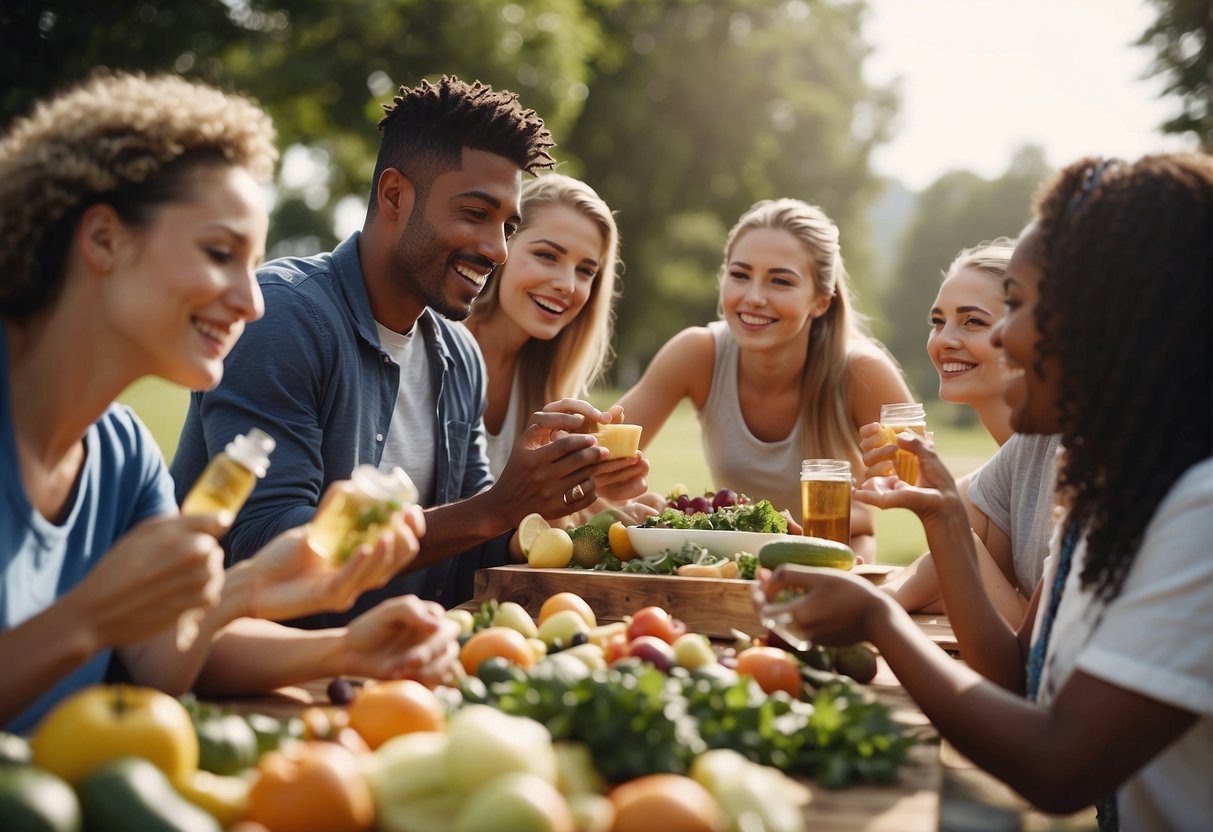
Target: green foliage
point(959, 210)
point(1179, 39)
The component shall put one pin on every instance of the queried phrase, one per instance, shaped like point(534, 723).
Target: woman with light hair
point(132, 221)
point(788, 373)
point(543, 323)
point(1009, 500)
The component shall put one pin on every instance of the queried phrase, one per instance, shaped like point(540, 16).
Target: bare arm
point(402, 637)
point(682, 368)
point(1061, 757)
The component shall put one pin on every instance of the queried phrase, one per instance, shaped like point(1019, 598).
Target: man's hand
point(550, 469)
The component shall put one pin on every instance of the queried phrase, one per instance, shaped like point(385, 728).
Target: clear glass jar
point(825, 499)
point(359, 511)
point(898, 418)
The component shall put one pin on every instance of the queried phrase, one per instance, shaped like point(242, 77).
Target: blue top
point(312, 374)
point(123, 481)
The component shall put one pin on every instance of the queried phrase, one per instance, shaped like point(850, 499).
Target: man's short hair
point(426, 127)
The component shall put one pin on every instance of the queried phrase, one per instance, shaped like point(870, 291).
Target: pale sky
point(982, 77)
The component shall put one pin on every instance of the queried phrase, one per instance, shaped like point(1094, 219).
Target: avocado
point(132, 795)
point(33, 800)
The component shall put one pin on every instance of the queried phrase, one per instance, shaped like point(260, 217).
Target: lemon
point(551, 549)
point(620, 543)
point(530, 528)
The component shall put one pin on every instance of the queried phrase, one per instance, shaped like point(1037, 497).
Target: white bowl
point(650, 542)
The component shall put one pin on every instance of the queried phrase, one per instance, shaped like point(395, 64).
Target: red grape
point(701, 504)
point(724, 497)
point(683, 501)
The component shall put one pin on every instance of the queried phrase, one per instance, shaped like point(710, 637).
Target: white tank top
point(738, 459)
point(501, 443)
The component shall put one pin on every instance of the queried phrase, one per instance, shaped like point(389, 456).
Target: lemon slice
point(528, 530)
point(551, 549)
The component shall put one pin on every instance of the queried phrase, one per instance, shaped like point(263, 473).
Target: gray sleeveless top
point(738, 459)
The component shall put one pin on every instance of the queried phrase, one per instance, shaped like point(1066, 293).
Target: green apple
point(512, 615)
point(518, 802)
point(464, 619)
point(484, 744)
point(562, 626)
point(408, 780)
point(590, 655)
point(693, 651)
point(592, 812)
point(575, 772)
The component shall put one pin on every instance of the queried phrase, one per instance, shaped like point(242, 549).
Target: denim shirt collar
point(348, 269)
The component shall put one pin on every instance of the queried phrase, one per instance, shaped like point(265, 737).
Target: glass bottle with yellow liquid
point(898, 418)
point(224, 485)
point(359, 511)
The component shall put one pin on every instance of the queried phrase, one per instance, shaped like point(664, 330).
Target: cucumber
point(809, 551)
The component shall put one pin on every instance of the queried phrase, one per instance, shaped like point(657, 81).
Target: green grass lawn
point(676, 454)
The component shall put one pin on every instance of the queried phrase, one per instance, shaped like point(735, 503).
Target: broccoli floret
point(760, 517)
point(671, 518)
point(701, 521)
point(589, 545)
point(748, 565)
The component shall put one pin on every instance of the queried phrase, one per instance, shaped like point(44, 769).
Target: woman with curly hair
point(543, 323)
point(1109, 297)
point(788, 373)
point(132, 221)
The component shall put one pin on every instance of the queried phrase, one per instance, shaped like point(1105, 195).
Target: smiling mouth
point(471, 275)
point(214, 332)
point(956, 367)
point(750, 319)
point(548, 306)
point(1011, 370)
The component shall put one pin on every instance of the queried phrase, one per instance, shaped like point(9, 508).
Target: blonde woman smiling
point(789, 371)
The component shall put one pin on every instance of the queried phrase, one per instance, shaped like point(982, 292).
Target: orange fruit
point(310, 785)
point(389, 709)
point(568, 601)
point(669, 802)
point(772, 668)
point(496, 641)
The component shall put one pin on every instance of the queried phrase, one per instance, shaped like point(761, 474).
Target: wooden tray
point(712, 606)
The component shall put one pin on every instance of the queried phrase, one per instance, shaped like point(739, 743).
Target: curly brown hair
point(123, 139)
point(426, 126)
point(1125, 306)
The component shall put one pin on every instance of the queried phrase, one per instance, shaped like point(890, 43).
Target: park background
point(919, 127)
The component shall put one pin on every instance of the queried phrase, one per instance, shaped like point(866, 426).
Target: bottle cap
point(387, 486)
point(252, 450)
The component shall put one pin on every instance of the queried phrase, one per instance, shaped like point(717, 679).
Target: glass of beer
point(825, 499)
point(896, 418)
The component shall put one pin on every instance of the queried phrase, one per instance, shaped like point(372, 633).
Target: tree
point(696, 111)
point(958, 210)
point(1180, 41)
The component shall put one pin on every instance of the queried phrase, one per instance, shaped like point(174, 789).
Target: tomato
point(654, 621)
point(772, 668)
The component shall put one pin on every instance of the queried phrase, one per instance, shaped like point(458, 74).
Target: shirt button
point(379, 437)
point(387, 360)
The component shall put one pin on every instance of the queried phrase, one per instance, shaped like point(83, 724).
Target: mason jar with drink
point(895, 419)
point(825, 499)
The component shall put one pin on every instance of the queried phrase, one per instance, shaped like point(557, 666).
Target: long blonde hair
point(828, 431)
point(568, 364)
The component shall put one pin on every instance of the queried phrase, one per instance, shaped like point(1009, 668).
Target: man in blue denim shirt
point(319, 375)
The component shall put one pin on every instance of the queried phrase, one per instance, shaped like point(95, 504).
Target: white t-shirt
point(412, 437)
point(1156, 639)
point(1015, 490)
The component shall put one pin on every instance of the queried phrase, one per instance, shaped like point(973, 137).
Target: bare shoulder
point(873, 379)
point(682, 367)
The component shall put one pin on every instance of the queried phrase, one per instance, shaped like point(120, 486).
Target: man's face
point(457, 233)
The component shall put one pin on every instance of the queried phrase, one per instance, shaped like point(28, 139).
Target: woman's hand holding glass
point(289, 580)
point(934, 496)
point(829, 607)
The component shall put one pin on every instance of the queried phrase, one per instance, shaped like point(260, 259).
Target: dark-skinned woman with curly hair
point(131, 219)
point(1105, 695)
